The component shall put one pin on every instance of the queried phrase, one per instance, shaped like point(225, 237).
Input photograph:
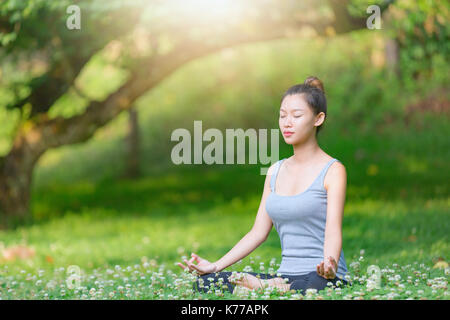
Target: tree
point(173, 35)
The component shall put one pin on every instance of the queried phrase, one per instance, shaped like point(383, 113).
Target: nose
point(288, 122)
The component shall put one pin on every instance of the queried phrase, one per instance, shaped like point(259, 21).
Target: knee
point(212, 281)
point(315, 281)
point(298, 285)
point(202, 283)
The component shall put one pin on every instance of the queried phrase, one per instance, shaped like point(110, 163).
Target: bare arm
point(257, 235)
point(335, 183)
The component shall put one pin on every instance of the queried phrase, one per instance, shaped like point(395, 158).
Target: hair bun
point(314, 82)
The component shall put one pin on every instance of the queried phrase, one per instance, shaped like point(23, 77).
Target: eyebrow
point(295, 109)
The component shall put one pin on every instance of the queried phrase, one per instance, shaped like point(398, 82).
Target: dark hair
point(314, 93)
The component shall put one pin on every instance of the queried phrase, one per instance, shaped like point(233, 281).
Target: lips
point(288, 133)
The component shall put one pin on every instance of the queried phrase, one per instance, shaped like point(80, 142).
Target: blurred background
point(86, 117)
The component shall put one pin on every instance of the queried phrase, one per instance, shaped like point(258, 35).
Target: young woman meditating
point(303, 198)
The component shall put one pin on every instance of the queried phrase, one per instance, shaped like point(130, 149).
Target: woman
point(303, 198)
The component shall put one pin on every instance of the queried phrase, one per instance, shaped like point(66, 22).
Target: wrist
point(217, 268)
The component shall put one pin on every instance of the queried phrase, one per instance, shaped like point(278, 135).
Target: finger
point(333, 262)
point(331, 272)
point(181, 265)
point(196, 257)
point(195, 267)
point(327, 272)
point(322, 271)
point(188, 264)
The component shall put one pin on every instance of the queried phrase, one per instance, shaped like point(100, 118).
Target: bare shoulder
point(271, 169)
point(336, 175)
point(269, 173)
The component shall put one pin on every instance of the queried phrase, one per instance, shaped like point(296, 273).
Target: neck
point(306, 151)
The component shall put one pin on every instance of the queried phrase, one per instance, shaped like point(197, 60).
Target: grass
point(127, 235)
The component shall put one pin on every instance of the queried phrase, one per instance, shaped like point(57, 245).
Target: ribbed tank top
point(300, 222)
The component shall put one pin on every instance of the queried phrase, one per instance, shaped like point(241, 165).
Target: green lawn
point(127, 235)
point(396, 217)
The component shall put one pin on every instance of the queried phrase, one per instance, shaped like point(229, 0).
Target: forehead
point(294, 102)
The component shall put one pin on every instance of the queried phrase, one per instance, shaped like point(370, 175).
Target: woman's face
point(297, 117)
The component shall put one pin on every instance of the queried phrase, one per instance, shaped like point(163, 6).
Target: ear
point(319, 119)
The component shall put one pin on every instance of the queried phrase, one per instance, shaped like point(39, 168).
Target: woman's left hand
point(327, 268)
point(246, 280)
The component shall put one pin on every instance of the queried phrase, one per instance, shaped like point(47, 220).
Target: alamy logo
point(214, 151)
point(74, 20)
point(374, 21)
point(73, 281)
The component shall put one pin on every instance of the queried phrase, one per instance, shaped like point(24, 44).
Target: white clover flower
point(248, 269)
point(355, 265)
point(311, 291)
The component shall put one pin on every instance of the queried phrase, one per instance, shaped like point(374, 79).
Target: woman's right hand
point(203, 266)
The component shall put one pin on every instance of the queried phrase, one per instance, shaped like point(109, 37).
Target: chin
point(290, 140)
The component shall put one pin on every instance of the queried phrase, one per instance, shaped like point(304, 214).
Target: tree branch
point(51, 133)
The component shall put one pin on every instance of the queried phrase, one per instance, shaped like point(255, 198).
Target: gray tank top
point(300, 222)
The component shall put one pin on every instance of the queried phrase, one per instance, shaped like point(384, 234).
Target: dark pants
point(300, 282)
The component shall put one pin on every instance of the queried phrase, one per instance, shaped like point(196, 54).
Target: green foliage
point(422, 32)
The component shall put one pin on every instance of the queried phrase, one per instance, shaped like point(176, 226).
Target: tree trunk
point(14, 198)
point(132, 144)
point(16, 172)
point(392, 52)
point(43, 133)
